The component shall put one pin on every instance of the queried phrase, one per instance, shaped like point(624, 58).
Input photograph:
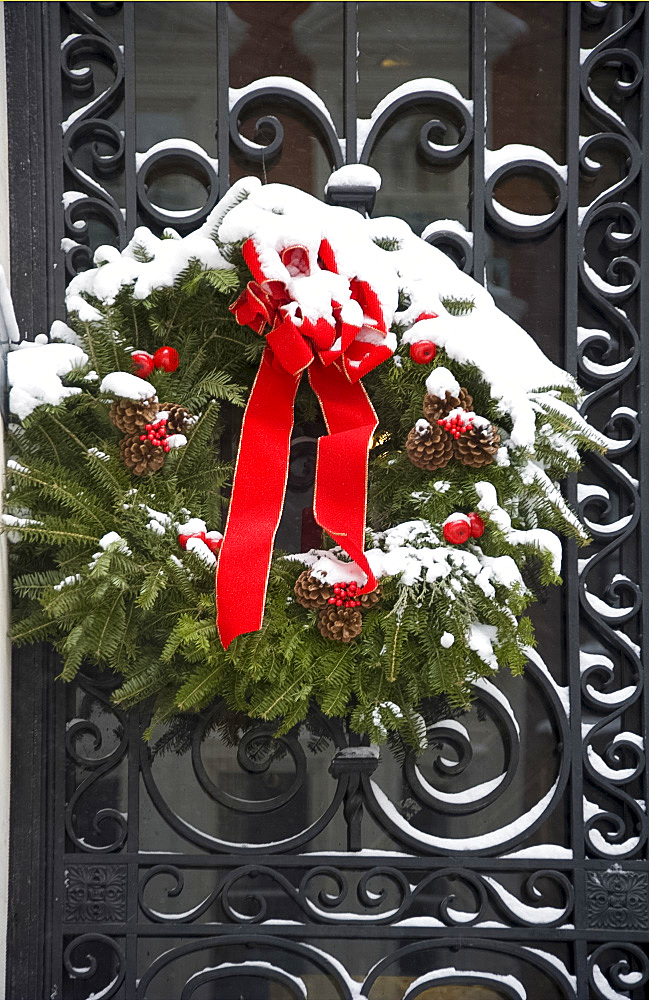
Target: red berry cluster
point(457, 423)
point(213, 543)
point(345, 595)
point(166, 358)
point(157, 434)
point(458, 528)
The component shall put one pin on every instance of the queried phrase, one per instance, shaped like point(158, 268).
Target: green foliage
point(390, 243)
point(456, 306)
point(140, 606)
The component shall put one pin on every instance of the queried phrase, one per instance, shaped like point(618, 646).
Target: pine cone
point(131, 415)
point(435, 407)
point(340, 624)
point(374, 596)
point(141, 457)
point(477, 447)
point(430, 447)
point(177, 419)
point(311, 592)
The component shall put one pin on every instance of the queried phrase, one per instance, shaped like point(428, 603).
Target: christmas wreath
point(446, 431)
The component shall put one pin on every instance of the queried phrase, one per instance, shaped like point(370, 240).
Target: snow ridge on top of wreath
point(276, 217)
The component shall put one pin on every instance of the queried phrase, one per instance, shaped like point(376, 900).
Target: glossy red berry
point(457, 531)
point(477, 525)
point(423, 352)
point(166, 358)
point(183, 539)
point(142, 363)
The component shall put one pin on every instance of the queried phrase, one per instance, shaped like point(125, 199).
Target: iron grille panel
point(443, 867)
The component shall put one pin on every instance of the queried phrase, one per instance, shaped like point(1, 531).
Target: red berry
point(166, 358)
point(457, 532)
point(477, 525)
point(339, 602)
point(332, 600)
point(166, 447)
point(423, 352)
point(142, 363)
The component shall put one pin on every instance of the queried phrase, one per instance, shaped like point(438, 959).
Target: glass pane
point(303, 42)
point(175, 65)
point(526, 104)
point(399, 44)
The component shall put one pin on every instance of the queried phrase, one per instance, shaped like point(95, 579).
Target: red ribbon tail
point(257, 501)
point(341, 473)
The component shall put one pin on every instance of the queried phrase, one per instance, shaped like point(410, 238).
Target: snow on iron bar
point(354, 175)
point(453, 974)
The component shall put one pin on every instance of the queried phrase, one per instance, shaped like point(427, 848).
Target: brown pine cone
point(311, 592)
point(340, 624)
point(177, 419)
point(141, 457)
point(435, 407)
point(429, 447)
point(477, 447)
point(374, 596)
point(131, 415)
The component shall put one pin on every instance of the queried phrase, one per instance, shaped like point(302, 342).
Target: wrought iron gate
point(511, 859)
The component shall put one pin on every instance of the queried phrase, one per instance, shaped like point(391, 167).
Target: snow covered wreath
point(447, 431)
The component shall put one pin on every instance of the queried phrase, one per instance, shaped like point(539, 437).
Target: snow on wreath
point(444, 433)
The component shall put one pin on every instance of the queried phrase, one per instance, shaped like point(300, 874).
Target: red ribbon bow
point(337, 349)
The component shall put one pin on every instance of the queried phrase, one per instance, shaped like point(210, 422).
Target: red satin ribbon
point(335, 363)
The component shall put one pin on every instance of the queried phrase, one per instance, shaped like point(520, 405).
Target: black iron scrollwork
point(614, 970)
point(81, 960)
point(90, 126)
point(108, 826)
point(611, 684)
point(381, 895)
point(289, 93)
point(418, 94)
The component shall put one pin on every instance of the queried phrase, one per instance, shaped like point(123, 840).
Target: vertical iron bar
point(350, 42)
point(130, 131)
point(27, 138)
point(57, 762)
point(222, 97)
point(571, 586)
point(56, 275)
point(644, 381)
point(478, 94)
point(132, 847)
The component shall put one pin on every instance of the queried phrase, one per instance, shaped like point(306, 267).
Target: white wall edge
point(5, 592)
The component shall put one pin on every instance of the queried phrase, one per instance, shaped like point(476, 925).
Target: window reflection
point(303, 41)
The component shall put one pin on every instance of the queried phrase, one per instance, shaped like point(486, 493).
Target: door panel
point(510, 860)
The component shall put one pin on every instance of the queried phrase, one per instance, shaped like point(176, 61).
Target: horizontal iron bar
point(341, 929)
point(362, 861)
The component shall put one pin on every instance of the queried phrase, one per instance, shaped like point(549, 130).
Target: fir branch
point(457, 306)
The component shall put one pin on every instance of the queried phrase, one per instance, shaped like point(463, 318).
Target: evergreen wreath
point(118, 488)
